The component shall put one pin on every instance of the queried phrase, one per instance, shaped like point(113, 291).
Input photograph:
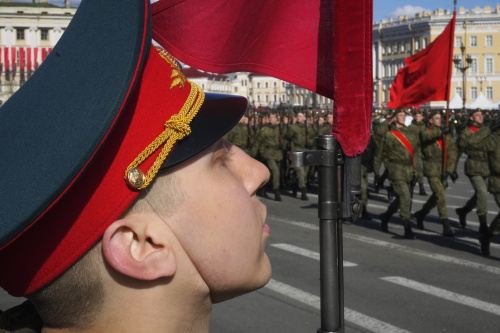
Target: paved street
point(431, 284)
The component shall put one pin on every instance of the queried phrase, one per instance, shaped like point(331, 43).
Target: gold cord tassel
point(176, 128)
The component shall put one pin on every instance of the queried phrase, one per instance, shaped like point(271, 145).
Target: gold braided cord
point(176, 128)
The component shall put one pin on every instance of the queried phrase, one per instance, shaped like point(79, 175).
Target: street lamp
point(463, 68)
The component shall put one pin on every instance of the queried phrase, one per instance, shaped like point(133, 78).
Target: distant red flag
point(313, 44)
point(427, 74)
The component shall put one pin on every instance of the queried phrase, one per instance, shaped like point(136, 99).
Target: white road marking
point(413, 251)
point(369, 323)
point(305, 252)
point(445, 294)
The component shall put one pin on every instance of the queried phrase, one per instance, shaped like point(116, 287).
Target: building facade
point(28, 32)
point(477, 37)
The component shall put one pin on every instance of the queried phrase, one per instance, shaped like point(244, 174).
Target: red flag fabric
point(44, 54)
point(29, 58)
point(35, 56)
point(313, 44)
point(13, 58)
point(427, 74)
point(21, 58)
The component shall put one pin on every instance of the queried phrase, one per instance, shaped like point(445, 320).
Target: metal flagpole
point(338, 200)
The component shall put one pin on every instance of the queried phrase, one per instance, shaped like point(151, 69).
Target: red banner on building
point(21, 58)
point(29, 58)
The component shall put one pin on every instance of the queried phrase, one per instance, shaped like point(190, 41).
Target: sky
point(384, 9)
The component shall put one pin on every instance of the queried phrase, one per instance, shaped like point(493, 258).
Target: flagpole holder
point(339, 179)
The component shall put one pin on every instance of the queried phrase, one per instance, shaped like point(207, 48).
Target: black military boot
point(419, 216)
point(422, 189)
point(294, 190)
point(462, 215)
point(483, 225)
point(303, 196)
point(485, 241)
point(447, 229)
point(408, 232)
point(277, 195)
point(384, 221)
point(364, 214)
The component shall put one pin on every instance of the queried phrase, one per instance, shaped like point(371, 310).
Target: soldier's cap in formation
point(434, 112)
point(103, 114)
point(472, 111)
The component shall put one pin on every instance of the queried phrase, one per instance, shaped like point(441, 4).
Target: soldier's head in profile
point(127, 210)
point(476, 116)
point(301, 118)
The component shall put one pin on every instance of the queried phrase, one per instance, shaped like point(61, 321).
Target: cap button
point(136, 178)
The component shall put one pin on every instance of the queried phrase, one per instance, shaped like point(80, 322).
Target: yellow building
point(477, 36)
point(28, 32)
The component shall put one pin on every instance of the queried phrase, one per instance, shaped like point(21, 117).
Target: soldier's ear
point(134, 246)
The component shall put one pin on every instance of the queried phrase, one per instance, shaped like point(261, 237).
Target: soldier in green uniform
point(240, 135)
point(494, 188)
point(267, 144)
point(432, 154)
point(297, 135)
point(378, 138)
point(476, 142)
point(326, 127)
point(397, 150)
point(417, 125)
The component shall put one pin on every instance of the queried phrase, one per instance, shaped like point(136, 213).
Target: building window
point(424, 43)
point(458, 41)
point(258, 85)
point(258, 98)
point(473, 66)
point(395, 48)
point(489, 41)
point(388, 49)
point(203, 86)
point(275, 84)
point(267, 98)
point(283, 98)
point(275, 98)
point(489, 93)
point(402, 47)
point(473, 41)
point(236, 89)
point(44, 34)
point(20, 34)
point(417, 45)
point(489, 65)
point(473, 93)
point(267, 85)
point(458, 91)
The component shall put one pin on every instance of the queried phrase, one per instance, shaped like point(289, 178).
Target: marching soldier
point(297, 136)
point(397, 148)
point(432, 155)
point(378, 138)
point(418, 125)
point(240, 135)
point(326, 127)
point(476, 141)
point(366, 168)
point(494, 188)
point(267, 144)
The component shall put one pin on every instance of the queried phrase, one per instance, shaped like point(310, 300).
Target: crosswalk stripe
point(359, 319)
point(305, 252)
point(435, 256)
point(414, 251)
point(445, 294)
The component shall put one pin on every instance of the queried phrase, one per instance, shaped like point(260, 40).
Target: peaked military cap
point(472, 111)
point(103, 114)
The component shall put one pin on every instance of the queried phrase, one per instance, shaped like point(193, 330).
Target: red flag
point(427, 74)
point(35, 54)
point(21, 58)
point(13, 58)
point(29, 58)
point(312, 44)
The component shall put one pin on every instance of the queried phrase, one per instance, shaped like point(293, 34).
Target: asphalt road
point(430, 284)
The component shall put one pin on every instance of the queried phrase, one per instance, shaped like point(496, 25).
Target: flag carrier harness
point(339, 179)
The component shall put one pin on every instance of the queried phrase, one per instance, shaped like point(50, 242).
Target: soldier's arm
point(451, 165)
point(377, 159)
point(430, 135)
point(256, 144)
